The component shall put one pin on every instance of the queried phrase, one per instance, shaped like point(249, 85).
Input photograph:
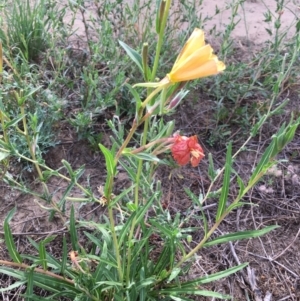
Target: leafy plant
point(139, 250)
point(27, 28)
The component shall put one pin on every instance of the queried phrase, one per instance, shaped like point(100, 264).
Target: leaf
point(144, 156)
point(73, 232)
point(197, 201)
point(109, 160)
point(226, 183)
point(125, 229)
point(161, 228)
point(64, 256)
point(134, 55)
point(12, 286)
point(214, 277)
point(240, 235)
point(4, 155)
point(195, 292)
point(9, 241)
point(162, 263)
point(136, 96)
point(42, 254)
point(175, 272)
point(211, 168)
point(13, 122)
point(262, 165)
point(29, 290)
point(241, 186)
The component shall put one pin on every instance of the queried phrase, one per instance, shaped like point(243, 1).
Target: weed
point(27, 28)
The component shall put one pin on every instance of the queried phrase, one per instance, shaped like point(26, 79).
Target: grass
point(55, 78)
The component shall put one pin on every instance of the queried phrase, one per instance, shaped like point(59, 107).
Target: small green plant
point(25, 29)
point(122, 263)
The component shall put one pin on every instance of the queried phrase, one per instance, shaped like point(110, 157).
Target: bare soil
point(274, 259)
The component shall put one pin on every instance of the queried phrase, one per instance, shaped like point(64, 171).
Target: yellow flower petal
point(198, 57)
point(195, 41)
point(196, 60)
point(207, 69)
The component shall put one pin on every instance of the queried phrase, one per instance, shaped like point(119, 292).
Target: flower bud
point(177, 99)
point(159, 15)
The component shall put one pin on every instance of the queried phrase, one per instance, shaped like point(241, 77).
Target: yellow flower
point(195, 60)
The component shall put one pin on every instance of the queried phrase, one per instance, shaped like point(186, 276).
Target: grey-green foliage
point(26, 27)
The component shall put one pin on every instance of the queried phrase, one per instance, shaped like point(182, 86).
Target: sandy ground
point(251, 16)
point(280, 276)
point(249, 19)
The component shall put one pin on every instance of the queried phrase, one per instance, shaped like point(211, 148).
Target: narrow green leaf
point(9, 241)
point(214, 277)
point(98, 275)
point(64, 256)
point(144, 156)
point(197, 201)
point(240, 235)
point(125, 228)
point(99, 227)
point(109, 160)
point(120, 196)
point(180, 298)
point(161, 228)
point(175, 272)
point(37, 298)
point(134, 55)
point(226, 183)
point(42, 255)
point(197, 292)
point(146, 282)
point(162, 262)
point(144, 209)
point(241, 186)
point(263, 164)
point(237, 205)
point(100, 259)
point(73, 232)
point(13, 122)
point(29, 290)
point(12, 286)
point(137, 98)
point(211, 168)
point(4, 155)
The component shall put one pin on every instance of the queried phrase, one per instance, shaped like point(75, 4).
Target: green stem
point(216, 225)
point(136, 123)
point(136, 198)
point(160, 39)
point(113, 231)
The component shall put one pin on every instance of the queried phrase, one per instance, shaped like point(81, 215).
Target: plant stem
point(114, 234)
point(160, 39)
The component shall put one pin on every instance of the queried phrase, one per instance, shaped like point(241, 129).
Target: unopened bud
point(177, 99)
point(159, 15)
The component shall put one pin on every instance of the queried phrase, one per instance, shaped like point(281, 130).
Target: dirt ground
point(274, 259)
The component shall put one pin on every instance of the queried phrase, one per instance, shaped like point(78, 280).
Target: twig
point(270, 259)
point(274, 258)
point(38, 270)
point(250, 279)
